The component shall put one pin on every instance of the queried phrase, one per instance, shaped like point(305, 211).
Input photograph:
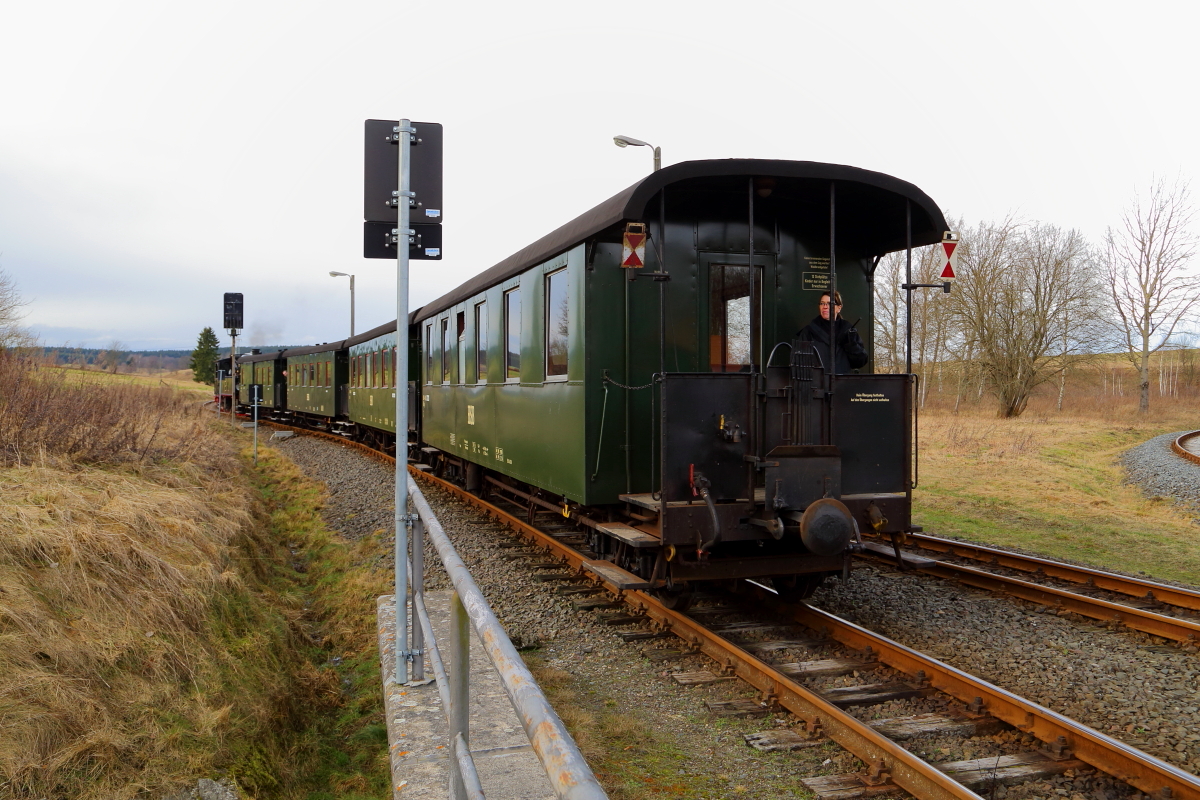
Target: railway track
point(968, 706)
point(1188, 446)
point(1108, 597)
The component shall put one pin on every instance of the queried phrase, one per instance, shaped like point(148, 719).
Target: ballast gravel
point(1120, 682)
point(1155, 467)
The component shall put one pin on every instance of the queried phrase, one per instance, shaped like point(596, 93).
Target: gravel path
point(1155, 467)
point(1115, 681)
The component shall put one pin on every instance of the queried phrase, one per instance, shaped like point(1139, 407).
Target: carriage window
point(387, 367)
point(481, 342)
point(445, 351)
point(429, 353)
point(329, 373)
point(558, 318)
point(730, 324)
point(461, 321)
point(512, 335)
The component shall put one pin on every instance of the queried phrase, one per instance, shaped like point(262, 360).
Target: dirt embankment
point(158, 622)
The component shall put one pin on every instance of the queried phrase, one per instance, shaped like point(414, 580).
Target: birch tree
point(1146, 271)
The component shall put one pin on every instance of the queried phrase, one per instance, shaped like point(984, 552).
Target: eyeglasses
point(826, 305)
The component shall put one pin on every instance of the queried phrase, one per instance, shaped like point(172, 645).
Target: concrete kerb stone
point(417, 730)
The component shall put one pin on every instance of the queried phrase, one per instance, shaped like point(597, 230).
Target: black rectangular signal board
point(377, 241)
point(381, 164)
point(233, 311)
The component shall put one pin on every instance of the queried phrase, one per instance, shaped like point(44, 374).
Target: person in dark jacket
point(850, 354)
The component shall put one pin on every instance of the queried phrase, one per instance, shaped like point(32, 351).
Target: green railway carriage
point(267, 370)
point(671, 406)
point(315, 379)
point(371, 389)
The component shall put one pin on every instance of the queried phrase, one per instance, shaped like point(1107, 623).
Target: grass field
point(1051, 482)
point(179, 379)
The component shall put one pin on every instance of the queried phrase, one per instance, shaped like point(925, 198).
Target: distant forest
point(134, 360)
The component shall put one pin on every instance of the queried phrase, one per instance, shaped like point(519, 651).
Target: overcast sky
point(156, 155)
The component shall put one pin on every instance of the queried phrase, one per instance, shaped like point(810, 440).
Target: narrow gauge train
point(670, 410)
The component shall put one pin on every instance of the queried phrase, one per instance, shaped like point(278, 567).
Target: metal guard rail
point(570, 776)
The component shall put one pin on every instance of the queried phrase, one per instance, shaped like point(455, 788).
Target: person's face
point(825, 307)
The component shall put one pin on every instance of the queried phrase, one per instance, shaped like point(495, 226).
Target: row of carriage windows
point(367, 371)
point(372, 370)
point(451, 334)
point(313, 373)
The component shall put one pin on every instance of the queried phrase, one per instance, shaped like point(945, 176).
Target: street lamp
point(626, 141)
point(351, 277)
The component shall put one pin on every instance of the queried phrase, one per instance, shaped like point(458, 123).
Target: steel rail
point(919, 778)
point(908, 771)
point(1179, 630)
point(1178, 447)
point(1109, 581)
point(1109, 755)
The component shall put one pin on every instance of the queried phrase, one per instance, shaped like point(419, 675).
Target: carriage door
point(735, 311)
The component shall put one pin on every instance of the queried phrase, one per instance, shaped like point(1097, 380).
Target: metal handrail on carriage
point(569, 774)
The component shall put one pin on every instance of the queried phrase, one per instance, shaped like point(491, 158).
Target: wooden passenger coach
point(612, 389)
point(671, 408)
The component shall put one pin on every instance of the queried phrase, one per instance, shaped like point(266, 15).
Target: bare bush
point(45, 412)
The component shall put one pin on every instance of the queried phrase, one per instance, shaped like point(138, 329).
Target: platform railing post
point(460, 671)
point(418, 589)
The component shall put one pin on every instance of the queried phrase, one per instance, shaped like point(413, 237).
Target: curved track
point(1187, 447)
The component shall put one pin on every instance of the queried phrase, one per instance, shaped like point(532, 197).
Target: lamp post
point(351, 277)
point(626, 141)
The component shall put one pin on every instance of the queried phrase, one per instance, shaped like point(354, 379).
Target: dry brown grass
point(1052, 482)
point(106, 584)
point(53, 413)
point(129, 635)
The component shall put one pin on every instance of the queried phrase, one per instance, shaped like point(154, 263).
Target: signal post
point(408, 156)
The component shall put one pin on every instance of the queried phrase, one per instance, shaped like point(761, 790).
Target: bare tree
point(888, 339)
point(1146, 272)
point(111, 356)
point(11, 313)
point(1021, 288)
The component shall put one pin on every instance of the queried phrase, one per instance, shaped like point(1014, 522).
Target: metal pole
point(832, 280)
point(255, 401)
point(460, 671)
point(352, 305)
point(755, 356)
point(402, 519)
point(833, 315)
point(908, 290)
point(233, 375)
point(657, 159)
point(418, 590)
